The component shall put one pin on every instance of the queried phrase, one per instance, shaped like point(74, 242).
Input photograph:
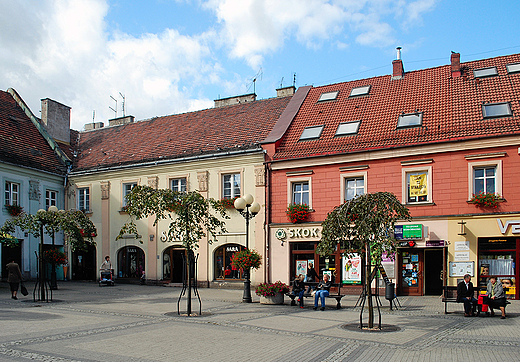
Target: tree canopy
point(189, 213)
point(368, 218)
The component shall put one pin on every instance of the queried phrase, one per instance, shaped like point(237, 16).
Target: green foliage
point(14, 210)
point(246, 259)
point(368, 218)
point(270, 289)
point(189, 213)
point(77, 227)
point(486, 199)
point(297, 212)
point(55, 257)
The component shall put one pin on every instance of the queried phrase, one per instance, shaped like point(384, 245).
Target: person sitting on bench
point(299, 288)
point(496, 296)
point(465, 294)
point(322, 291)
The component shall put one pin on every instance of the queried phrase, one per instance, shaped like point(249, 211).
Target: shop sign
point(436, 243)
point(406, 244)
point(304, 233)
point(411, 231)
point(462, 245)
point(232, 249)
point(515, 226)
point(461, 256)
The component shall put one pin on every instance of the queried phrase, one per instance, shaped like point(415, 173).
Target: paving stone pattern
point(140, 323)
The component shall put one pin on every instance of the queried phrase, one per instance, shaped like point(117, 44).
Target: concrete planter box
point(275, 299)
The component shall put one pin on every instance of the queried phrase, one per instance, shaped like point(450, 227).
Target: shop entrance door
point(172, 264)
point(433, 266)
point(411, 268)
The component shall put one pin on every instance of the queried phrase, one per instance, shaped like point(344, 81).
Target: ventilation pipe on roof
point(455, 65)
point(398, 66)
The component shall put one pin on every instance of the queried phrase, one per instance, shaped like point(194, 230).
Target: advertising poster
point(418, 185)
point(351, 269)
point(301, 267)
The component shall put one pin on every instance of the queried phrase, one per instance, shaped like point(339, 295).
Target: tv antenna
point(115, 108)
point(93, 116)
point(294, 80)
point(123, 106)
point(254, 79)
point(281, 83)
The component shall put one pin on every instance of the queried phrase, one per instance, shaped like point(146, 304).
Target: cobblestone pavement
point(140, 323)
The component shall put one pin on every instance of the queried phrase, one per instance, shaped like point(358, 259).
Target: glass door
point(411, 272)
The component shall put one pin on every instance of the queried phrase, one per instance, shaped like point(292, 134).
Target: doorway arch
point(130, 262)
point(222, 262)
point(84, 264)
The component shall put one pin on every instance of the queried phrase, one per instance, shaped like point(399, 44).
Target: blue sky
point(174, 56)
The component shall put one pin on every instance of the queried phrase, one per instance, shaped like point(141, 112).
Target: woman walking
point(14, 278)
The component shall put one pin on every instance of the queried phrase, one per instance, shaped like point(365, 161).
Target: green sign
point(412, 231)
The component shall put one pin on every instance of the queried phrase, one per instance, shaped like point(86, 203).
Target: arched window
point(223, 267)
point(130, 262)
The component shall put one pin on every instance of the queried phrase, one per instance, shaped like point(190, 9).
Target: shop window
point(178, 184)
point(83, 199)
point(417, 184)
point(230, 185)
point(223, 267)
point(354, 186)
point(130, 262)
point(51, 198)
point(12, 193)
point(497, 257)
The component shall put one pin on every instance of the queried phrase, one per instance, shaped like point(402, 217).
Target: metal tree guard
point(189, 272)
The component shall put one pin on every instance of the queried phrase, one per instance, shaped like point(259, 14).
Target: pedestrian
point(14, 278)
point(322, 291)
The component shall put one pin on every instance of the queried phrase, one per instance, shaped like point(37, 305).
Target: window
point(360, 91)
point(223, 267)
point(310, 133)
point(127, 187)
point(329, 96)
point(409, 120)
point(231, 186)
point(354, 186)
point(417, 185)
point(485, 72)
point(12, 193)
point(83, 199)
point(300, 192)
point(513, 68)
point(496, 110)
point(178, 184)
point(347, 128)
point(484, 179)
point(51, 198)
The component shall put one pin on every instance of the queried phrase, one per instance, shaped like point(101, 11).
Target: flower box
point(228, 203)
point(486, 199)
point(14, 210)
point(297, 212)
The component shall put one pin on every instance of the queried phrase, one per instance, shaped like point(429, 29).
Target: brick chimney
point(284, 92)
point(397, 65)
point(455, 65)
point(231, 101)
point(56, 119)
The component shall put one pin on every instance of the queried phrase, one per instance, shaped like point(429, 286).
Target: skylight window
point(329, 96)
point(513, 68)
point(347, 128)
point(360, 91)
point(496, 110)
point(310, 133)
point(485, 72)
point(409, 120)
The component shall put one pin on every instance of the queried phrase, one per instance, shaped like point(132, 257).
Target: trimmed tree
point(364, 225)
point(193, 218)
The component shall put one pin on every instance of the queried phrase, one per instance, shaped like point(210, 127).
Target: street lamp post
point(248, 208)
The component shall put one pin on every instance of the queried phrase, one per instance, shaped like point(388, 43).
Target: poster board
point(351, 269)
point(301, 267)
point(461, 268)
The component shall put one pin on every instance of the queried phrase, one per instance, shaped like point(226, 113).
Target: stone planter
point(275, 299)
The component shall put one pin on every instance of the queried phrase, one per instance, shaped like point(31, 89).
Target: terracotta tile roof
point(20, 141)
point(452, 110)
point(209, 131)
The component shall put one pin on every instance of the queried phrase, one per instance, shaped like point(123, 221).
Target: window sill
point(422, 203)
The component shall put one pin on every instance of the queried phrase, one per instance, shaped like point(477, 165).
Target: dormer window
point(360, 91)
point(409, 120)
point(496, 110)
point(513, 68)
point(311, 133)
point(485, 72)
point(329, 96)
point(347, 128)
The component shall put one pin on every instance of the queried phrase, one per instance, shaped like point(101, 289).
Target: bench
point(333, 295)
point(449, 295)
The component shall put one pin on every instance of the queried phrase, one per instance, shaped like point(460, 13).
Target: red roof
point(21, 143)
point(210, 131)
point(451, 108)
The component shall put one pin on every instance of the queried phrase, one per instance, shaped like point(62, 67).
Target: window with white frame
point(51, 198)
point(354, 186)
point(300, 192)
point(83, 199)
point(231, 186)
point(417, 185)
point(127, 188)
point(484, 179)
point(178, 184)
point(12, 193)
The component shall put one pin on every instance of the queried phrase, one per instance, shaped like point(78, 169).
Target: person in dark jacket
point(496, 295)
point(14, 278)
point(322, 290)
point(311, 276)
point(465, 294)
point(299, 288)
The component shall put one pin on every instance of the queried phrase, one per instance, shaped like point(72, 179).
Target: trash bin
point(390, 291)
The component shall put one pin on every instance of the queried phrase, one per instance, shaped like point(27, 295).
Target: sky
point(173, 56)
